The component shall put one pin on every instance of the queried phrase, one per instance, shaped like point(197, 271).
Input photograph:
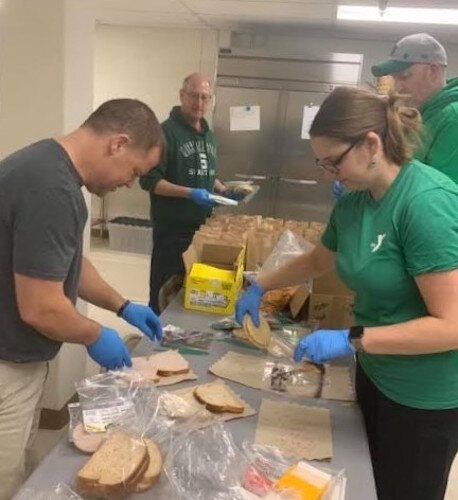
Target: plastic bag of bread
point(125, 463)
point(129, 459)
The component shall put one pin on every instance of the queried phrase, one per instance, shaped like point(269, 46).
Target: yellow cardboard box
point(214, 277)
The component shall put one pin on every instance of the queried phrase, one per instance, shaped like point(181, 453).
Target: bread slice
point(145, 368)
point(169, 363)
point(119, 461)
point(217, 398)
point(153, 471)
point(259, 336)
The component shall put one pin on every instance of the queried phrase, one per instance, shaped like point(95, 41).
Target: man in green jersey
point(180, 187)
point(417, 64)
point(393, 240)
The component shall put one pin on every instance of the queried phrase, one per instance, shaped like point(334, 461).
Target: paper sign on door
point(307, 119)
point(245, 118)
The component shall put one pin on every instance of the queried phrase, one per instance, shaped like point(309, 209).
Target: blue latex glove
point(338, 189)
point(232, 194)
point(249, 303)
point(323, 345)
point(144, 319)
point(109, 350)
point(201, 197)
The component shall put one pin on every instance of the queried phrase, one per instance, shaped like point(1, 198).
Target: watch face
point(355, 336)
point(356, 332)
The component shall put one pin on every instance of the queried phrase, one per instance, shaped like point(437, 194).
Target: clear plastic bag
point(129, 459)
point(225, 324)
point(294, 379)
point(59, 492)
point(206, 464)
point(284, 339)
point(268, 467)
point(173, 417)
point(87, 442)
point(179, 338)
point(108, 398)
point(288, 246)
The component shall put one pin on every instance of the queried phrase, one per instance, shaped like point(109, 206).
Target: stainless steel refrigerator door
point(251, 155)
point(302, 192)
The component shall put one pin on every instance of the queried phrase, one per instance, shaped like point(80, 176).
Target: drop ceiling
point(292, 17)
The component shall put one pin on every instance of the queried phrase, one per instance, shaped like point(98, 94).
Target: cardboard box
point(214, 277)
point(331, 302)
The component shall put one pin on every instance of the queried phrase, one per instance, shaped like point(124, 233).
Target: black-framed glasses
point(333, 166)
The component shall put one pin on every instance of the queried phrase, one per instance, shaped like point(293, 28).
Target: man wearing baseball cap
point(417, 63)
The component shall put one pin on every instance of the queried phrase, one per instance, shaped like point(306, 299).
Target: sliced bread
point(120, 461)
point(169, 363)
point(145, 368)
point(153, 471)
point(218, 398)
point(259, 336)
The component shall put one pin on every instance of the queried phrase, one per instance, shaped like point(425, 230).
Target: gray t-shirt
point(42, 217)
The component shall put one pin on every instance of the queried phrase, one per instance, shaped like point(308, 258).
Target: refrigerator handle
point(253, 177)
point(305, 182)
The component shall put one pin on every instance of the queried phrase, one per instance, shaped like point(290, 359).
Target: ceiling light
point(397, 15)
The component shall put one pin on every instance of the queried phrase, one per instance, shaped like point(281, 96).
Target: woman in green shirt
point(393, 240)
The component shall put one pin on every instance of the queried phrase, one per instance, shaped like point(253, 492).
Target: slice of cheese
point(306, 480)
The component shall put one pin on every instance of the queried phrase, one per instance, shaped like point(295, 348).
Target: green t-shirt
point(381, 246)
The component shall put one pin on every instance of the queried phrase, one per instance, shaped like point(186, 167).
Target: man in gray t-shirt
point(42, 269)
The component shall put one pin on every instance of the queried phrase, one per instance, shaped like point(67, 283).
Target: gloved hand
point(233, 194)
point(109, 350)
point(144, 319)
point(338, 189)
point(249, 303)
point(201, 197)
point(323, 345)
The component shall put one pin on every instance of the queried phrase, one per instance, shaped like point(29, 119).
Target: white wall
point(46, 90)
point(31, 76)
point(148, 64)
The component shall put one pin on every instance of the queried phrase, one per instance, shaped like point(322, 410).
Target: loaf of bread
point(115, 468)
point(217, 398)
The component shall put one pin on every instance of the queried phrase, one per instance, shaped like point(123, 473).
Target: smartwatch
point(356, 336)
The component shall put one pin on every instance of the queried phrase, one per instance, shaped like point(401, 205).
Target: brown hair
point(127, 116)
point(348, 114)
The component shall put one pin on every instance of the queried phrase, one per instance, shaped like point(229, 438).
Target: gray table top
point(350, 446)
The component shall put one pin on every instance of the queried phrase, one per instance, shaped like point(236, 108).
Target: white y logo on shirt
point(376, 246)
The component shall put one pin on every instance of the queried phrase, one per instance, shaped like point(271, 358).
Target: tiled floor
point(129, 274)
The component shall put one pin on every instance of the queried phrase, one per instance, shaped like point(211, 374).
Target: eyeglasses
point(332, 166)
point(199, 97)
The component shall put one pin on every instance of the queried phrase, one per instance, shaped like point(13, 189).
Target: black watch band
point(121, 309)
point(356, 336)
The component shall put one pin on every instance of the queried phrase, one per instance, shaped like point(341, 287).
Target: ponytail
point(348, 114)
